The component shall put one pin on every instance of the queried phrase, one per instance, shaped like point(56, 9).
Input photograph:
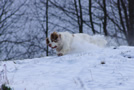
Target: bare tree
point(105, 18)
point(78, 10)
point(131, 23)
point(47, 25)
point(81, 17)
point(41, 13)
point(121, 17)
point(9, 15)
point(125, 9)
point(90, 16)
point(77, 14)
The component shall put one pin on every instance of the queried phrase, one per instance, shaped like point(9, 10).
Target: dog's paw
point(60, 54)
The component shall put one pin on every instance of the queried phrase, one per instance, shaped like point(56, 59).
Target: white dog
point(62, 41)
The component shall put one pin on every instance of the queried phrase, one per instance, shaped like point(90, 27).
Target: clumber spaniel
point(62, 41)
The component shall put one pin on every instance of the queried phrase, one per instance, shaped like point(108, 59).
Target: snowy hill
point(96, 69)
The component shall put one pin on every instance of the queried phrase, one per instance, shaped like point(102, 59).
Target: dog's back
point(98, 40)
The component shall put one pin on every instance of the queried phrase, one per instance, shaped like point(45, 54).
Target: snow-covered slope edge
point(80, 71)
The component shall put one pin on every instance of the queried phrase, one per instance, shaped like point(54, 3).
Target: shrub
point(4, 87)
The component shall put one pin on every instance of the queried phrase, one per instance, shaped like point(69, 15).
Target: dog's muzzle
point(51, 46)
point(54, 47)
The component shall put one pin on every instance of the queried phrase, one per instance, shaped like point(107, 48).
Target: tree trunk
point(121, 18)
point(81, 18)
point(105, 18)
point(47, 25)
point(90, 16)
point(77, 14)
point(131, 23)
point(125, 13)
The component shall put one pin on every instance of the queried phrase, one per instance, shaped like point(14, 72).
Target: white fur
point(67, 39)
point(65, 42)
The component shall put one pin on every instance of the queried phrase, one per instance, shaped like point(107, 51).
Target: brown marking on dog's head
point(54, 37)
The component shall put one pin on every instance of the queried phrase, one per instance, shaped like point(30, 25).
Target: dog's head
point(54, 40)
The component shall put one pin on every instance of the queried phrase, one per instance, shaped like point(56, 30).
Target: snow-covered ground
point(75, 71)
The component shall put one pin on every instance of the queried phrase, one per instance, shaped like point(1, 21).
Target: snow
point(79, 70)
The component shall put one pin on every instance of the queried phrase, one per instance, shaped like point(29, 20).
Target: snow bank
point(80, 71)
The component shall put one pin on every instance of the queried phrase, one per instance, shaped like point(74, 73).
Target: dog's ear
point(59, 36)
point(47, 41)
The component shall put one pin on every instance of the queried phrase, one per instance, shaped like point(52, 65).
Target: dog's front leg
point(63, 49)
point(62, 52)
